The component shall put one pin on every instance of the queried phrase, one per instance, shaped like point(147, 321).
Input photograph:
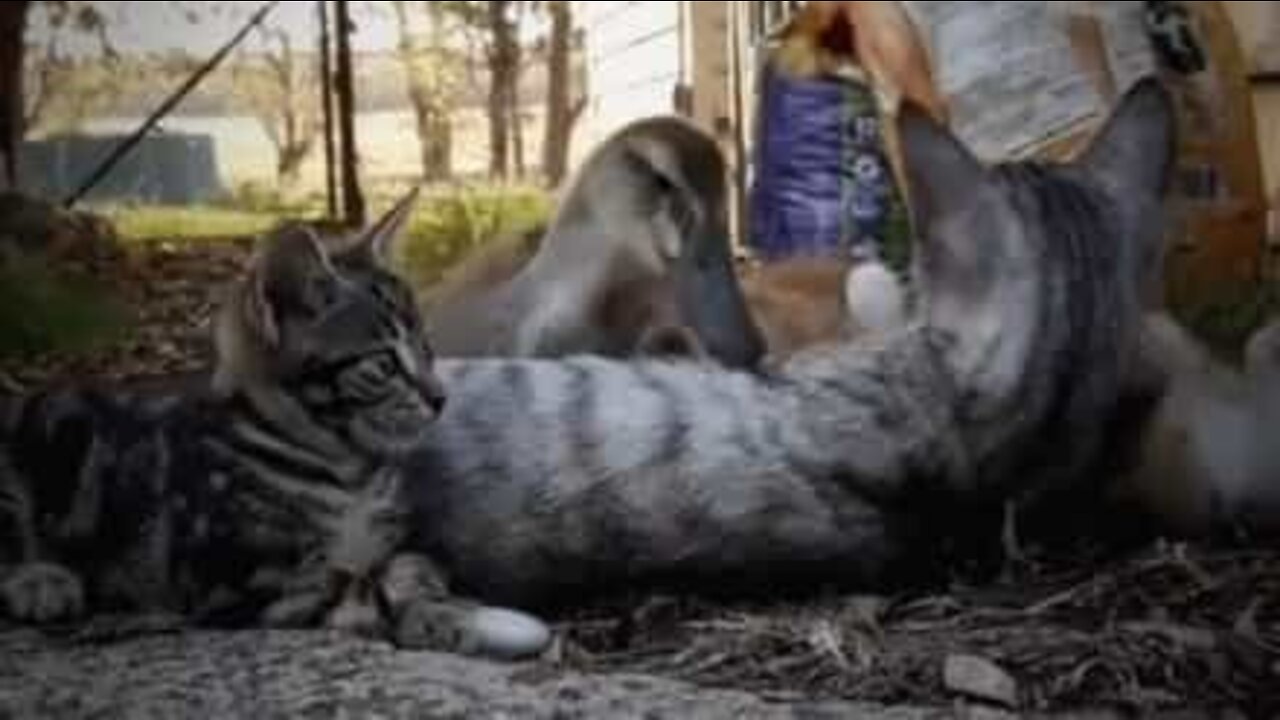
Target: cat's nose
point(437, 403)
point(433, 394)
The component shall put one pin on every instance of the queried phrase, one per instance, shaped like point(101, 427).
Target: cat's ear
point(376, 244)
point(1134, 150)
point(957, 217)
point(941, 172)
point(291, 277)
point(1132, 156)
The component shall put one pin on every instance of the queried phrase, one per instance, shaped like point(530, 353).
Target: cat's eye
point(393, 295)
point(378, 369)
point(321, 293)
point(384, 296)
point(385, 365)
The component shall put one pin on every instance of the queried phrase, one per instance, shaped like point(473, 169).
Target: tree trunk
point(513, 92)
point(435, 130)
point(503, 59)
point(13, 25)
point(295, 134)
point(352, 199)
point(297, 139)
point(517, 133)
point(435, 133)
point(440, 156)
point(441, 131)
point(559, 129)
point(289, 165)
point(438, 150)
point(326, 101)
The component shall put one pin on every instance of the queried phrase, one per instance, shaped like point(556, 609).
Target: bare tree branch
point(273, 86)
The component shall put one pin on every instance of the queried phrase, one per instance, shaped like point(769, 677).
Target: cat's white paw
point(494, 633)
point(504, 634)
point(42, 593)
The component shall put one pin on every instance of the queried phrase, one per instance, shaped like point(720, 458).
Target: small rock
point(980, 679)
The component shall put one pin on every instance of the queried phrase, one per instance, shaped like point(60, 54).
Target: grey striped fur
point(547, 480)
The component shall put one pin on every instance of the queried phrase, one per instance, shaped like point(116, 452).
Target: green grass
point(147, 223)
point(1226, 321)
point(43, 313)
point(449, 226)
point(897, 240)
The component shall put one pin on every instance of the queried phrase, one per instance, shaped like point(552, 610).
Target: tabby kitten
point(271, 491)
point(850, 466)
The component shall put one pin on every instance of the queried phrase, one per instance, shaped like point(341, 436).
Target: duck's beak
point(711, 301)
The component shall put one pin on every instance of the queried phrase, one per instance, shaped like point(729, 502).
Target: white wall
point(634, 59)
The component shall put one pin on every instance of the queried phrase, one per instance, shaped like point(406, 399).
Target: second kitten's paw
point(304, 595)
point(357, 616)
point(42, 593)
point(296, 611)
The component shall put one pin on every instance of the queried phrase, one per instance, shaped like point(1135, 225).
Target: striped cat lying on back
point(270, 492)
point(851, 466)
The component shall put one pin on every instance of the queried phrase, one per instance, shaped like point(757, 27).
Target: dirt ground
point(1170, 627)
